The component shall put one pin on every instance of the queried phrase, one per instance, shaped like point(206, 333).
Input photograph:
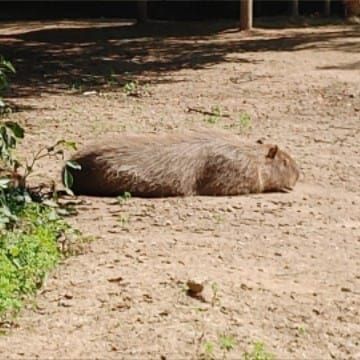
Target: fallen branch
point(205, 112)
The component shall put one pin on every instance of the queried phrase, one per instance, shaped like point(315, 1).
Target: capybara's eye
point(286, 163)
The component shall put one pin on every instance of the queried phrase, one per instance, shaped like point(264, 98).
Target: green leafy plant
point(208, 352)
point(244, 120)
point(67, 176)
point(124, 197)
point(28, 252)
point(77, 86)
point(130, 88)
point(30, 228)
point(53, 151)
point(111, 78)
point(215, 299)
point(10, 133)
point(215, 115)
point(218, 218)
point(301, 330)
point(258, 353)
point(9, 179)
point(227, 343)
point(5, 68)
point(123, 220)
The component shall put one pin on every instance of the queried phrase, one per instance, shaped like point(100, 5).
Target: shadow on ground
point(52, 57)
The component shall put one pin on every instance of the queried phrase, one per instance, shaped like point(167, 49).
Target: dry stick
point(210, 113)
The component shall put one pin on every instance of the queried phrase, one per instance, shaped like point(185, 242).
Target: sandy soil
point(286, 266)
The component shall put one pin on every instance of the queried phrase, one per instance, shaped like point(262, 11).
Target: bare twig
point(205, 112)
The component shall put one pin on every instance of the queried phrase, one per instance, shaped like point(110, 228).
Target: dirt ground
point(281, 269)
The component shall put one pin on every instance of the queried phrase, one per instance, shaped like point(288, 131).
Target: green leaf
point(50, 203)
point(4, 182)
point(69, 192)
point(227, 342)
point(16, 262)
point(70, 145)
point(53, 215)
point(67, 211)
point(73, 164)
point(68, 181)
point(5, 211)
point(8, 65)
point(127, 195)
point(208, 348)
point(15, 128)
point(15, 251)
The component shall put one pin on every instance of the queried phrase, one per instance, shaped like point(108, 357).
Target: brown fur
point(199, 162)
point(352, 8)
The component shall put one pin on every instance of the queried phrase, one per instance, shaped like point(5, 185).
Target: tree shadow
point(88, 54)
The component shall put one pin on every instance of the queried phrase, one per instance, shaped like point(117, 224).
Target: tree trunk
point(141, 11)
point(294, 10)
point(327, 7)
point(246, 14)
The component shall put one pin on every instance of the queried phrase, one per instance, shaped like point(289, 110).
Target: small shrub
point(215, 299)
point(111, 79)
point(258, 353)
point(29, 227)
point(208, 352)
point(130, 88)
point(215, 116)
point(227, 343)
point(244, 120)
point(5, 68)
point(124, 197)
point(28, 252)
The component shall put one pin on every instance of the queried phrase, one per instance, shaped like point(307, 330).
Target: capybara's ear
point(272, 152)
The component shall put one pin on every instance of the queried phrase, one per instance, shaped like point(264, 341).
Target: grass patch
point(27, 252)
point(258, 353)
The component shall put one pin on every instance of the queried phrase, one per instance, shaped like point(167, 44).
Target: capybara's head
point(281, 172)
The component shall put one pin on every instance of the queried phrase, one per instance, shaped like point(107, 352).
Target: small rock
point(316, 311)
point(88, 93)
point(195, 286)
point(345, 289)
point(64, 304)
point(245, 287)
point(121, 307)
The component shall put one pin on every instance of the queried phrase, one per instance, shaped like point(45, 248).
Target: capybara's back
point(352, 7)
point(180, 164)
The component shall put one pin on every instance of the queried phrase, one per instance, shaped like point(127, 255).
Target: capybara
point(202, 162)
point(352, 8)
